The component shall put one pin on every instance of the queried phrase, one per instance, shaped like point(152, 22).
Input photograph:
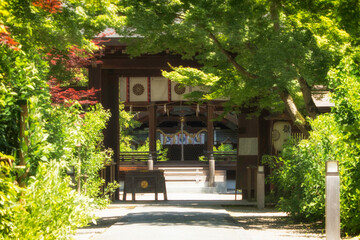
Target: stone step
point(183, 169)
point(185, 178)
point(192, 187)
point(192, 179)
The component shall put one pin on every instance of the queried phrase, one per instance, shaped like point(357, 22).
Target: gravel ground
point(273, 225)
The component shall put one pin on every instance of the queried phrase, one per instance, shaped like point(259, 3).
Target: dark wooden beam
point(146, 62)
point(177, 118)
point(152, 127)
point(210, 127)
point(110, 100)
point(247, 128)
point(95, 79)
point(95, 76)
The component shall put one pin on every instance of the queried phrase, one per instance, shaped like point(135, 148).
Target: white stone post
point(332, 201)
point(211, 171)
point(150, 162)
point(260, 188)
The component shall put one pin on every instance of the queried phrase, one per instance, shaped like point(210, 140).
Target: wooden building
point(186, 128)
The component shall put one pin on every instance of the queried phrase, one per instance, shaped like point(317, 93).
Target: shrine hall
point(188, 130)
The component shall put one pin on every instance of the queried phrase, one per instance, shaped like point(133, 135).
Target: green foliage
point(127, 123)
point(345, 79)
point(76, 137)
point(299, 174)
point(55, 137)
point(346, 83)
point(20, 79)
point(9, 194)
point(244, 57)
point(221, 148)
point(224, 148)
point(51, 209)
point(162, 152)
point(58, 137)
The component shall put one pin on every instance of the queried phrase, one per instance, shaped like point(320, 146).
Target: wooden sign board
point(144, 181)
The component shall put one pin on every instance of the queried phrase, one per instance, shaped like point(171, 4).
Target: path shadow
point(169, 218)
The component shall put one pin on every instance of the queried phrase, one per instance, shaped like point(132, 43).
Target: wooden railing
point(221, 155)
point(137, 156)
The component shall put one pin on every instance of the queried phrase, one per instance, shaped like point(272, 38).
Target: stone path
point(218, 217)
point(166, 222)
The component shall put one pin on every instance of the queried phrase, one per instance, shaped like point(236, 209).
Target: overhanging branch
point(238, 67)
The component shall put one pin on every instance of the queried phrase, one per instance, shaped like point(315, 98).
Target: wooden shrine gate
point(159, 102)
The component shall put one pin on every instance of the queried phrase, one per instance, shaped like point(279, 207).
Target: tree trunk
point(295, 115)
point(275, 15)
point(311, 108)
point(23, 141)
point(290, 105)
point(23, 138)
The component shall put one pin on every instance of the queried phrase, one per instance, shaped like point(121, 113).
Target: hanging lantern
point(280, 134)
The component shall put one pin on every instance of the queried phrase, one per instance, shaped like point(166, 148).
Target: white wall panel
point(122, 88)
point(135, 94)
point(175, 96)
point(159, 89)
point(248, 146)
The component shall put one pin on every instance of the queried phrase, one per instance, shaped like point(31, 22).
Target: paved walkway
point(193, 219)
point(175, 222)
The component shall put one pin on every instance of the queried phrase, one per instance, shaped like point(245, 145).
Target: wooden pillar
point(210, 127)
point(247, 154)
point(95, 79)
point(110, 100)
point(264, 143)
point(152, 128)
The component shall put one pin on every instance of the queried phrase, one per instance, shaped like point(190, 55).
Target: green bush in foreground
point(299, 173)
point(9, 193)
point(47, 205)
point(49, 208)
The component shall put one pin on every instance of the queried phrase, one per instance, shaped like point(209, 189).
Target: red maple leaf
point(67, 96)
point(5, 38)
point(51, 6)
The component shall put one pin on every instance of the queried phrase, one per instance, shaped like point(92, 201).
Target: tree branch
point(290, 105)
point(241, 69)
point(311, 108)
point(294, 113)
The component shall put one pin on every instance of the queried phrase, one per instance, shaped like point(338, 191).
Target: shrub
point(76, 137)
point(345, 80)
point(51, 209)
point(299, 172)
point(9, 194)
point(48, 207)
